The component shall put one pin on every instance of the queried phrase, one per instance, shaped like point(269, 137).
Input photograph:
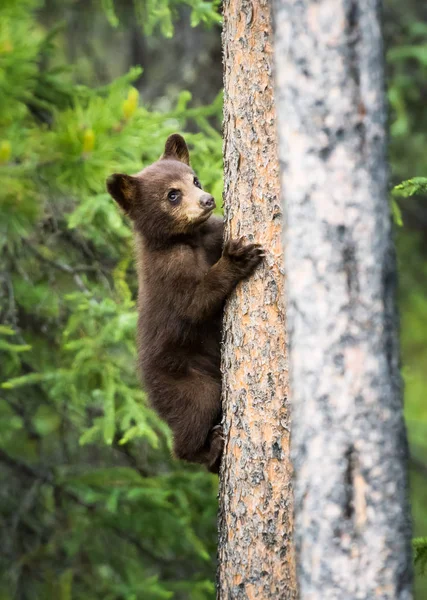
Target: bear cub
point(185, 273)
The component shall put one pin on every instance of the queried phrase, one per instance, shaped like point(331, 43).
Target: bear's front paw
point(244, 257)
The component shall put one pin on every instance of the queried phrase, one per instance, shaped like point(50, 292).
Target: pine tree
point(256, 556)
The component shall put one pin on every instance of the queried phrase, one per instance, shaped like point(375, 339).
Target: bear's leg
point(209, 455)
point(197, 433)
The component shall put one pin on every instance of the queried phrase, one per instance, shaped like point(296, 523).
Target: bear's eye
point(174, 196)
point(197, 183)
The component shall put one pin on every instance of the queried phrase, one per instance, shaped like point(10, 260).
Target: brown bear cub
point(185, 274)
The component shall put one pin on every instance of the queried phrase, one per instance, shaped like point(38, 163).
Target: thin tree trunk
point(349, 441)
point(256, 514)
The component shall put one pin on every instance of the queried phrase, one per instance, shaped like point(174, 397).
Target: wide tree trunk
point(349, 442)
point(256, 515)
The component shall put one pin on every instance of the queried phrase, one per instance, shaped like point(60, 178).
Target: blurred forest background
point(91, 505)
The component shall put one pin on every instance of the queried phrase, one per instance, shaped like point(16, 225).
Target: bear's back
point(169, 344)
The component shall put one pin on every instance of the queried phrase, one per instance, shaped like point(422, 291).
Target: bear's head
point(165, 199)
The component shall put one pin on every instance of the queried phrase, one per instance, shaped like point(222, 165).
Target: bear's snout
point(207, 201)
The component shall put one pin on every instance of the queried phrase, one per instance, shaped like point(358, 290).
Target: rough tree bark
point(349, 442)
point(256, 514)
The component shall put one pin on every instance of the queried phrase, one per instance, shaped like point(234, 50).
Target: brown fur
point(185, 275)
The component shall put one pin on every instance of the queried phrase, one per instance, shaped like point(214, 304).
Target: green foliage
point(406, 37)
point(159, 14)
point(420, 553)
point(93, 504)
point(410, 187)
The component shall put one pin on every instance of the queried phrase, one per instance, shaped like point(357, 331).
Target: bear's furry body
point(185, 274)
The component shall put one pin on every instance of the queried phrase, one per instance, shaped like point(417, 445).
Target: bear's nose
point(207, 201)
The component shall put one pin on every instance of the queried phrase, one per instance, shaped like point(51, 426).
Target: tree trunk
point(349, 442)
point(256, 514)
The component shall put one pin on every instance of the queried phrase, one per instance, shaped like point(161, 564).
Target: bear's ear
point(122, 189)
point(176, 148)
